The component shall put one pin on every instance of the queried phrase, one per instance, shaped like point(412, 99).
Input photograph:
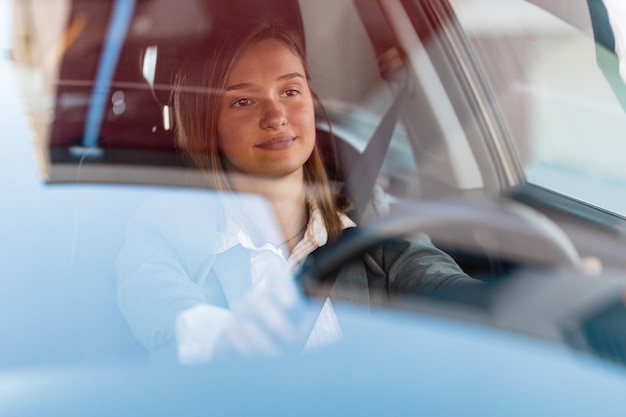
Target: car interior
point(436, 149)
point(408, 114)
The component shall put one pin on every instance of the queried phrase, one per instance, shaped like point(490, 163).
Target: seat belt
point(361, 180)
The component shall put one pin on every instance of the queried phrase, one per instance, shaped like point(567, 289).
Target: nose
point(274, 115)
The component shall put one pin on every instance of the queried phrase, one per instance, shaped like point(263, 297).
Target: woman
point(253, 133)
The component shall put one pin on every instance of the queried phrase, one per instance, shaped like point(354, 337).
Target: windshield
point(216, 183)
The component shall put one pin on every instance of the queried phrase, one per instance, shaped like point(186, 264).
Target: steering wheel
point(505, 229)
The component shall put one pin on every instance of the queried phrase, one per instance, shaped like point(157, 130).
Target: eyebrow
point(283, 77)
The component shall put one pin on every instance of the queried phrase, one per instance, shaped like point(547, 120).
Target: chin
point(282, 171)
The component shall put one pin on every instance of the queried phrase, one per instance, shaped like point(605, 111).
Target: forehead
point(268, 58)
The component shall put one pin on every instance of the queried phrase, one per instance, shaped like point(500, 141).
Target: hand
point(274, 321)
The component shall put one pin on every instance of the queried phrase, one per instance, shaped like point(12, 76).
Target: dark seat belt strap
point(361, 180)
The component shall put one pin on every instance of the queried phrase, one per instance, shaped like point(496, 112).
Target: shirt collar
point(233, 216)
point(237, 225)
point(316, 234)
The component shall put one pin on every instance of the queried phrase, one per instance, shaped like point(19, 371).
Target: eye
point(292, 92)
point(242, 102)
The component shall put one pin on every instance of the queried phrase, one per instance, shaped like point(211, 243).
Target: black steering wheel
point(504, 229)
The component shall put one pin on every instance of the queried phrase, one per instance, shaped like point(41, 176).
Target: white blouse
point(199, 328)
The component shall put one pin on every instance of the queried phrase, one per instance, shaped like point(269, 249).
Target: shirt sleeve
point(157, 273)
point(198, 332)
point(416, 265)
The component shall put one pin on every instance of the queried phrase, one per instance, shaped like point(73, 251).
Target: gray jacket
point(397, 268)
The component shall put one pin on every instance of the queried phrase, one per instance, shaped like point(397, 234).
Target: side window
point(346, 77)
point(555, 90)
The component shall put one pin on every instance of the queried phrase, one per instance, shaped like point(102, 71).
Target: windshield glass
point(201, 182)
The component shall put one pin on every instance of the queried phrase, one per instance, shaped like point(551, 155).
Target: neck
point(287, 197)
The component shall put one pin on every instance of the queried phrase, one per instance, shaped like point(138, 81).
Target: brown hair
point(198, 87)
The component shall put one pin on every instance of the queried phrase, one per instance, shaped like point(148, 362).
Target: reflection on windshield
point(203, 274)
point(205, 256)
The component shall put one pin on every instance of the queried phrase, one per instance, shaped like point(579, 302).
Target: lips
point(277, 143)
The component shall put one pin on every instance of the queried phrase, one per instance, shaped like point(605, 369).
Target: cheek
point(230, 132)
point(305, 118)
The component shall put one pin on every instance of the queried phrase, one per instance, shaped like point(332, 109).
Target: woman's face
point(266, 123)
